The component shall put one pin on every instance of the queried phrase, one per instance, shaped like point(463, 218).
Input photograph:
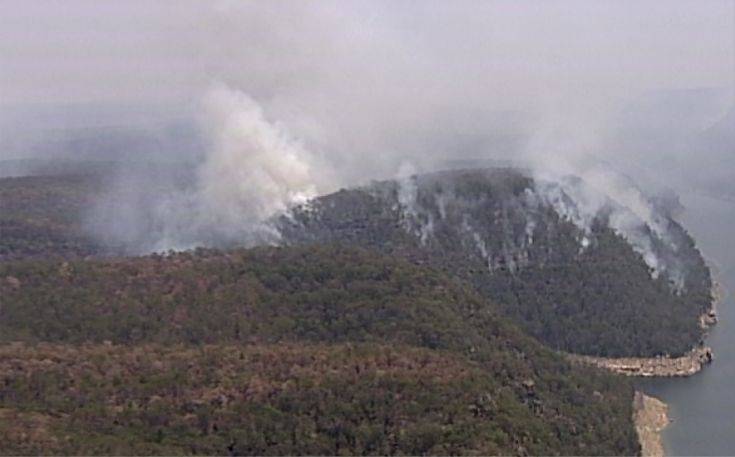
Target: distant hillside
point(589, 293)
point(43, 216)
point(306, 350)
point(53, 215)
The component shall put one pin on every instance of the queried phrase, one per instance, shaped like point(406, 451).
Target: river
point(702, 407)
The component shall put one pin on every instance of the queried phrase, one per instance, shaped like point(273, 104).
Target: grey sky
point(140, 51)
point(370, 84)
point(311, 96)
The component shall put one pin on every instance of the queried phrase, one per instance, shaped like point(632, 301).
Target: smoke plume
point(251, 171)
point(321, 95)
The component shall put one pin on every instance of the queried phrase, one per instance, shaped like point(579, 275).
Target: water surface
point(702, 407)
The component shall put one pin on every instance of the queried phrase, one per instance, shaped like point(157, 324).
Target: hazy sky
point(372, 83)
point(296, 98)
point(70, 51)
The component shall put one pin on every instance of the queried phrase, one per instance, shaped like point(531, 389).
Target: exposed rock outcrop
point(686, 365)
point(651, 418)
point(709, 317)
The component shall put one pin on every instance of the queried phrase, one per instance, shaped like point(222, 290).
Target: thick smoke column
point(251, 171)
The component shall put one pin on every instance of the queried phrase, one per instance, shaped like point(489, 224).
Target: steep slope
point(306, 350)
point(589, 291)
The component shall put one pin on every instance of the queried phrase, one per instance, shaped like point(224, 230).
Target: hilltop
point(584, 291)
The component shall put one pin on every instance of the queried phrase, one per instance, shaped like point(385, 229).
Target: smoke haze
point(280, 101)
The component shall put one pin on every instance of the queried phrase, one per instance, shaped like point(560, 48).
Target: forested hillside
point(42, 216)
point(588, 293)
point(318, 350)
point(485, 227)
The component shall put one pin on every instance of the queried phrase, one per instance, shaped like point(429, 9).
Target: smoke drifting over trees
point(292, 100)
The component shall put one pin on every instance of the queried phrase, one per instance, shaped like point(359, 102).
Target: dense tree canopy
point(601, 301)
point(309, 350)
point(479, 227)
point(412, 341)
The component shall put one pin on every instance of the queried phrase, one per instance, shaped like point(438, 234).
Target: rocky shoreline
point(686, 365)
point(664, 366)
point(650, 414)
point(651, 417)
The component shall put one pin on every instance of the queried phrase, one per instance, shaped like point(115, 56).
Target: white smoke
point(252, 170)
point(582, 190)
point(415, 219)
point(435, 84)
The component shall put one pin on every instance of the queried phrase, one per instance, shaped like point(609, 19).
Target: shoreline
point(646, 367)
point(665, 366)
point(650, 416)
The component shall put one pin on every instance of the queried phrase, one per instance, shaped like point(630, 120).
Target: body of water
point(702, 407)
